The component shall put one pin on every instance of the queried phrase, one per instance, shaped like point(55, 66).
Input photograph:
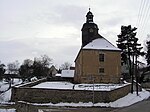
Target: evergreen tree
point(2, 70)
point(26, 70)
point(148, 53)
point(127, 42)
point(41, 66)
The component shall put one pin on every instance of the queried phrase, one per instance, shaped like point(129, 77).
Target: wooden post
point(136, 75)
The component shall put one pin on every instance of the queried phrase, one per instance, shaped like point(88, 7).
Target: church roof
point(101, 44)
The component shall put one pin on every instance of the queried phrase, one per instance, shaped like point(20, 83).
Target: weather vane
point(89, 5)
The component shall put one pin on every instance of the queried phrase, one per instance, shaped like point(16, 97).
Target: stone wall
point(25, 107)
point(35, 95)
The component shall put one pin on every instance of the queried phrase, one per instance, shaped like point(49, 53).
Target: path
point(78, 110)
point(143, 106)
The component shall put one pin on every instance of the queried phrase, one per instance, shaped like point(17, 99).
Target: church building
point(98, 60)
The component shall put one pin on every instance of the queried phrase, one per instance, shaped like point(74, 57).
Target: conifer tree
point(2, 70)
point(127, 42)
point(148, 53)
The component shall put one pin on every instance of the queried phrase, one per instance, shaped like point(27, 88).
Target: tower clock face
point(91, 30)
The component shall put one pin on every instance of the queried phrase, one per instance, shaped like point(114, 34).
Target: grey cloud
point(63, 15)
point(32, 18)
point(57, 48)
point(71, 14)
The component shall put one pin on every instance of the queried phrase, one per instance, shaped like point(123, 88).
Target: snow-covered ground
point(67, 85)
point(6, 94)
point(131, 99)
point(5, 97)
point(122, 102)
point(3, 85)
point(54, 85)
point(98, 87)
point(7, 110)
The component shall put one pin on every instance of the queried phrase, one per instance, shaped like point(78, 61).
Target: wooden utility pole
point(93, 93)
point(136, 77)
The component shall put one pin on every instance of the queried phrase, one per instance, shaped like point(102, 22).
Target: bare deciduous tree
point(65, 66)
point(13, 67)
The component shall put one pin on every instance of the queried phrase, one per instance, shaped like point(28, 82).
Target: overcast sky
point(30, 28)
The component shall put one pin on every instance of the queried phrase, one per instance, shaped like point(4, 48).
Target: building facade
point(98, 60)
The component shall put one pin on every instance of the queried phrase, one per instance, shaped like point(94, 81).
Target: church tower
point(97, 59)
point(89, 30)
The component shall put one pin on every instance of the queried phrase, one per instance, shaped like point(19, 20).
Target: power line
point(146, 18)
point(145, 13)
point(139, 13)
point(143, 16)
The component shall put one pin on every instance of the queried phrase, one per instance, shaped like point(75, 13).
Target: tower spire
point(89, 29)
point(89, 16)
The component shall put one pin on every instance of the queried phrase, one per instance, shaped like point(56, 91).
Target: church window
point(101, 70)
point(101, 57)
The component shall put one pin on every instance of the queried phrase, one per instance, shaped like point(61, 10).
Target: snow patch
point(54, 85)
point(6, 96)
point(7, 110)
point(131, 99)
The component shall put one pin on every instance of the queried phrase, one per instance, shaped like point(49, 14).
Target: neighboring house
point(52, 71)
point(125, 71)
point(98, 60)
point(146, 77)
point(67, 75)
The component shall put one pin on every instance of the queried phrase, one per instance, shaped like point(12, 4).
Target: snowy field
point(67, 85)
